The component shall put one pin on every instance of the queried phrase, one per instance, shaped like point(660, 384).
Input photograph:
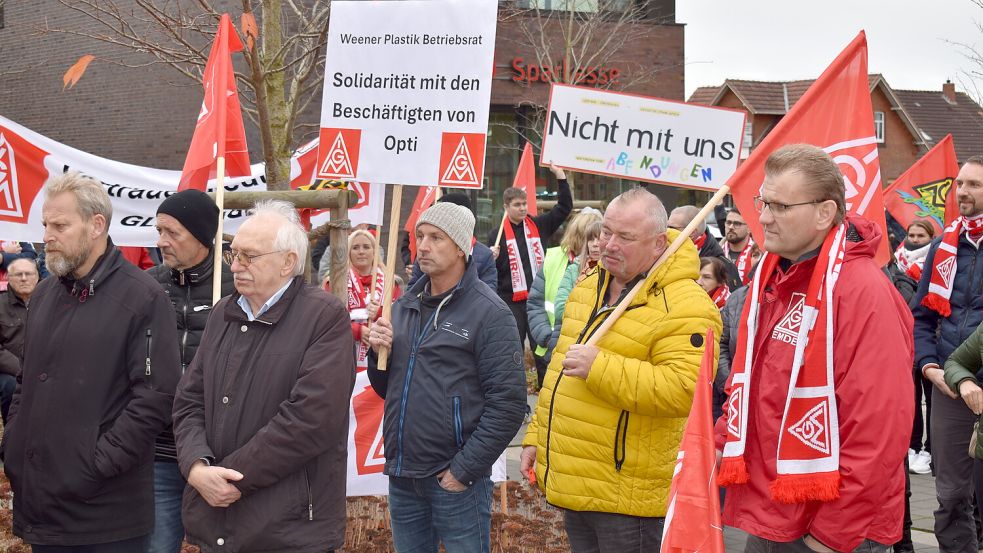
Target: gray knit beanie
point(456, 221)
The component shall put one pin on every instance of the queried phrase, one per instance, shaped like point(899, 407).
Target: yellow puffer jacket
point(609, 443)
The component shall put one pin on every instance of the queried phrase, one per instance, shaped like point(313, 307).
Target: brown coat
point(269, 398)
point(13, 316)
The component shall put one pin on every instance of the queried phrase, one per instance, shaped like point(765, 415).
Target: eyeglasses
point(244, 259)
point(777, 208)
point(22, 275)
point(737, 224)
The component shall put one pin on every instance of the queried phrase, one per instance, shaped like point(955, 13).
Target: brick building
point(907, 122)
point(145, 115)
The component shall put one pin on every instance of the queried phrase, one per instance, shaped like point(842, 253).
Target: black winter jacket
point(190, 292)
point(455, 388)
point(270, 398)
point(100, 368)
point(936, 337)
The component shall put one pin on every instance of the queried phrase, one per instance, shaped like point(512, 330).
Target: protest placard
point(407, 87)
point(641, 138)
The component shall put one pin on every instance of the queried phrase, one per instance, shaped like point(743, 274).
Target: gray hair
point(89, 193)
point(689, 212)
point(653, 206)
point(290, 236)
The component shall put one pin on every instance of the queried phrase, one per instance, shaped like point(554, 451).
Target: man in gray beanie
point(455, 392)
point(186, 225)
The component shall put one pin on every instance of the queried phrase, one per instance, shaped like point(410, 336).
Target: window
point(879, 126)
point(748, 139)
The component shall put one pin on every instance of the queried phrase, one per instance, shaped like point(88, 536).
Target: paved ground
point(923, 503)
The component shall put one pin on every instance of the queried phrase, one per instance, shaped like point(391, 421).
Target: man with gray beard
point(100, 368)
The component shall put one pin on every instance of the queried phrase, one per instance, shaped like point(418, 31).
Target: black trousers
point(921, 428)
point(133, 545)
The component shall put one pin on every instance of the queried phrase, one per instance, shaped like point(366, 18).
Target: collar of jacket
point(14, 299)
point(234, 313)
point(468, 281)
point(682, 265)
point(105, 266)
point(198, 273)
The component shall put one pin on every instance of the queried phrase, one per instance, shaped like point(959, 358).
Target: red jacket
point(872, 359)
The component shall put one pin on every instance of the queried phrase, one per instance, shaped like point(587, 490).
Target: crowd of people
point(137, 414)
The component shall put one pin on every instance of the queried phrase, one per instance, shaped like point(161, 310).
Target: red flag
point(921, 191)
point(525, 178)
point(424, 199)
point(835, 114)
point(219, 132)
point(693, 518)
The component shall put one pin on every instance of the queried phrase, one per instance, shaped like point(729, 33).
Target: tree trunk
point(273, 85)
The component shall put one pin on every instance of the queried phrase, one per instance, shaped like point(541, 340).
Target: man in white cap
point(455, 392)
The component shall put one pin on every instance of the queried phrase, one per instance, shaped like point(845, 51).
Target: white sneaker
point(912, 454)
point(921, 464)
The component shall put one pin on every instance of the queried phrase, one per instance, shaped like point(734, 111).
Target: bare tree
point(576, 36)
point(283, 40)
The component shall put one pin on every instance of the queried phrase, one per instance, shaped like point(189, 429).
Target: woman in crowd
point(366, 281)
point(540, 306)
point(713, 279)
point(576, 271)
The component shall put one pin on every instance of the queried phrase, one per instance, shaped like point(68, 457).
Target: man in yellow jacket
point(605, 433)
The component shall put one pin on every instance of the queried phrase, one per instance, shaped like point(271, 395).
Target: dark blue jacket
point(455, 389)
point(482, 260)
point(936, 337)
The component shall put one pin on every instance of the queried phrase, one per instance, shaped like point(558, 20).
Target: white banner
point(407, 87)
point(641, 138)
point(28, 159)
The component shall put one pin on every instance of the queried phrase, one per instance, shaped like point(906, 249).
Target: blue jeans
point(424, 515)
point(168, 530)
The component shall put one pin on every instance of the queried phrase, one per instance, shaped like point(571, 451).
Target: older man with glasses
point(811, 458)
point(23, 278)
point(261, 415)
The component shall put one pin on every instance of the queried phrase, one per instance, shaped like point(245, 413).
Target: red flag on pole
point(693, 518)
point(525, 178)
point(922, 190)
point(219, 132)
point(424, 199)
point(836, 114)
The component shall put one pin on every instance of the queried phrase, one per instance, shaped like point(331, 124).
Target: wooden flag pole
point(387, 296)
point(683, 235)
point(220, 202)
point(501, 229)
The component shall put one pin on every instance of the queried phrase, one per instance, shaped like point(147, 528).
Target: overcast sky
point(773, 40)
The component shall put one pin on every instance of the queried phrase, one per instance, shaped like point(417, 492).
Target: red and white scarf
point(809, 443)
point(358, 300)
point(944, 265)
point(743, 260)
point(720, 296)
point(534, 246)
point(699, 241)
point(911, 261)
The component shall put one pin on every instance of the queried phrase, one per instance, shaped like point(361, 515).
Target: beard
point(64, 263)
point(734, 239)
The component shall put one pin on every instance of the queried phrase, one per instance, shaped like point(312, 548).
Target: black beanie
point(458, 198)
point(196, 211)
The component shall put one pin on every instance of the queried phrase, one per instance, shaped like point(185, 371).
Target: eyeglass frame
point(737, 224)
point(230, 256)
point(22, 275)
point(760, 205)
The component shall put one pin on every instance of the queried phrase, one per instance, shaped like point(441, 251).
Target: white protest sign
point(641, 138)
point(407, 87)
point(29, 159)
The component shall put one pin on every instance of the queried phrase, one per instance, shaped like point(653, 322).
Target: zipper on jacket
point(147, 371)
point(414, 348)
point(621, 433)
point(458, 435)
point(310, 496)
point(186, 325)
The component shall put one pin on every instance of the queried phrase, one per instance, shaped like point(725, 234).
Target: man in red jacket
point(814, 432)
